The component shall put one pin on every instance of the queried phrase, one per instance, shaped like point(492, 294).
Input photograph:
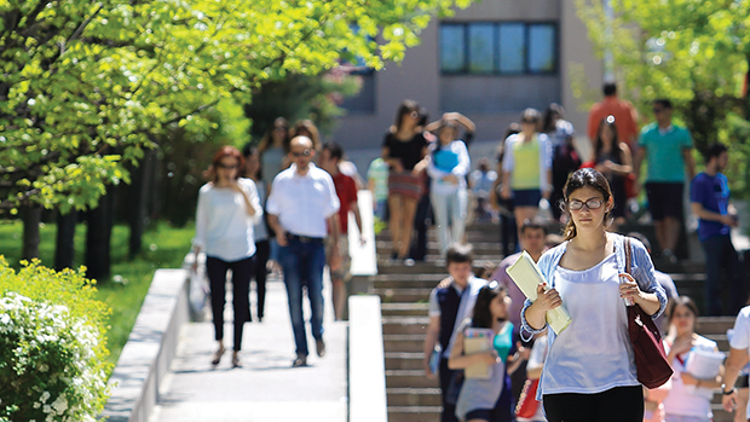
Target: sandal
point(217, 355)
point(236, 362)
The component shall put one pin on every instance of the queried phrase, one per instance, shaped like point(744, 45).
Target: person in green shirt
point(669, 151)
point(527, 168)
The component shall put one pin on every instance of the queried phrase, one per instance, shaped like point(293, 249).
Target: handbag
point(651, 362)
point(527, 403)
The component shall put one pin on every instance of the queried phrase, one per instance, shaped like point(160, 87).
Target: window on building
point(505, 48)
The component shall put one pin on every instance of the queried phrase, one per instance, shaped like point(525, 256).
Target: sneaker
point(300, 361)
point(409, 262)
point(321, 347)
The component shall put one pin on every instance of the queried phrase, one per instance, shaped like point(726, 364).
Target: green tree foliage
point(694, 52)
point(302, 97)
point(88, 86)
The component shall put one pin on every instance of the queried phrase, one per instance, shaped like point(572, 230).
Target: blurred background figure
point(504, 206)
point(613, 159)
point(448, 163)
point(527, 168)
point(307, 128)
point(480, 182)
point(565, 159)
point(254, 172)
point(403, 147)
point(377, 183)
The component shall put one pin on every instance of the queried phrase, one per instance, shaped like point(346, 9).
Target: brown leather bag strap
point(628, 256)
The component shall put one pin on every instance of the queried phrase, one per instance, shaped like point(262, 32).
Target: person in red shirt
point(346, 189)
point(623, 111)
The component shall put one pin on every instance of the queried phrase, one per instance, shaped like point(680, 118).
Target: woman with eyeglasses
point(614, 160)
point(527, 168)
point(448, 163)
point(228, 209)
point(590, 374)
point(404, 146)
point(482, 399)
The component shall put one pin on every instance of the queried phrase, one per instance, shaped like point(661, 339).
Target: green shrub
point(52, 347)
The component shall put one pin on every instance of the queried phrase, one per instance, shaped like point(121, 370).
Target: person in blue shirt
point(709, 196)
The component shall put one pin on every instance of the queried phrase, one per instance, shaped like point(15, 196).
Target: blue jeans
point(720, 253)
point(303, 264)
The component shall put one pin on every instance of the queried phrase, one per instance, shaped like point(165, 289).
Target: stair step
point(404, 309)
point(403, 295)
point(418, 397)
point(408, 378)
point(480, 248)
point(404, 360)
point(405, 325)
point(403, 342)
point(414, 413)
point(432, 265)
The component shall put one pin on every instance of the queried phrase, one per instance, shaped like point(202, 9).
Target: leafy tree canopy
point(86, 87)
point(693, 52)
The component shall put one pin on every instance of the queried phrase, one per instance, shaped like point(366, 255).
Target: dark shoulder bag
point(650, 360)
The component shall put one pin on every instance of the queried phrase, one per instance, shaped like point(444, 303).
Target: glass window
point(452, 48)
point(511, 48)
point(541, 48)
point(481, 58)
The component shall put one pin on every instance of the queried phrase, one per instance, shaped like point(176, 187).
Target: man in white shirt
point(302, 201)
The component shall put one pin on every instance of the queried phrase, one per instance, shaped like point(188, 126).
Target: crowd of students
point(271, 206)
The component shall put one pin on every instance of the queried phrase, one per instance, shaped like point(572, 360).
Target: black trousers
point(445, 374)
point(262, 252)
point(619, 404)
point(217, 276)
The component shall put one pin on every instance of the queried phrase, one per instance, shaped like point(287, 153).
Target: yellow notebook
point(527, 276)
point(478, 340)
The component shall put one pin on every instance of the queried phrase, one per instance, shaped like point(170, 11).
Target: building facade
point(488, 62)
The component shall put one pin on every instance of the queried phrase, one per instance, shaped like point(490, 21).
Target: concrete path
point(267, 388)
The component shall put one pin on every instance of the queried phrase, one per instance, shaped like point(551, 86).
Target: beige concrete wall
point(418, 78)
point(575, 51)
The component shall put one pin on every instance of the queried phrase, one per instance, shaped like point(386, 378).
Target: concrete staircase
point(404, 292)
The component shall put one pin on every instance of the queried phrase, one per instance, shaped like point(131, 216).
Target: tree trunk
point(140, 192)
point(98, 237)
point(64, 244)
point(31, 216)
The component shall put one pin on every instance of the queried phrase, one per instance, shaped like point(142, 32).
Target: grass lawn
point(163, 247)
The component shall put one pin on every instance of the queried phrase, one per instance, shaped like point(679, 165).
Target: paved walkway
point(267, 388)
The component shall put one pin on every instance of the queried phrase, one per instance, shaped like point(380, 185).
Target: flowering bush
point(52, 355)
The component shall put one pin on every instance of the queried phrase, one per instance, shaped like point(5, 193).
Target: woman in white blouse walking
point(228, 208)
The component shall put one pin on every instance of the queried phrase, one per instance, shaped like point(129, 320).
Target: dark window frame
point(527, 71)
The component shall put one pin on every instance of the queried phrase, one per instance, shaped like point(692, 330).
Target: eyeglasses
point(227, 166)
point(592, 204)
point(305, 153)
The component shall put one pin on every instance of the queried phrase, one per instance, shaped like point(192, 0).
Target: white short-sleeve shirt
point(303, 203)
